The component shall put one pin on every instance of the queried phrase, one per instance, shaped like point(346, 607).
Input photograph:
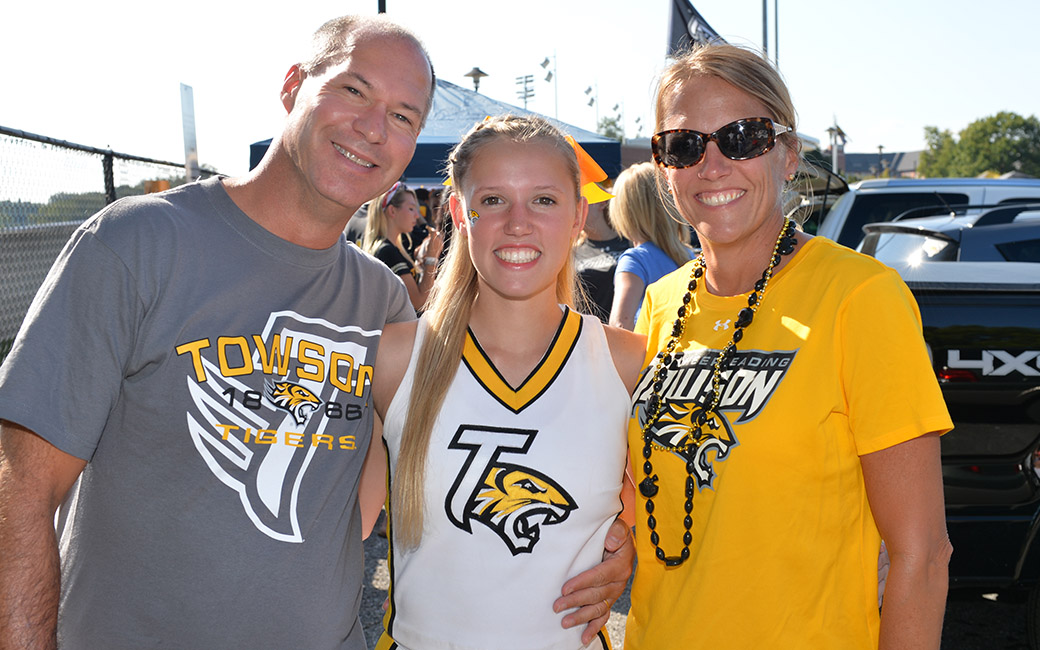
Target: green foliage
point(992, 145)
point(66, 206)
point(611, 128)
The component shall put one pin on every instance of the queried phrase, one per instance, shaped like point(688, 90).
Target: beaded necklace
point(668, 359)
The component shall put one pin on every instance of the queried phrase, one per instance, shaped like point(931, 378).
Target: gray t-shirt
point(216, 378)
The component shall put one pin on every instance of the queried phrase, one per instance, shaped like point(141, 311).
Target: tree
point(1002, 143)
point(937, 160)
point(611, 128)
point(996, 145)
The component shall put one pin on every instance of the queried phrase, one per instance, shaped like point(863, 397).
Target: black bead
point(685, 553)
point(682, 311)
point(737, 335)
point(752, 299)
point(646, 454)
point(651, 404)
point(744, 317)
point(689, 487)
point(688, 521)
point(660, 554)
point(698, 272)
point(648, 487)
point(675, 561)
point(651, 522)
point(677, 330)
point(776, 259)
point(687, 298)
point(760, 284)
point(687, 538)
point(702, 418)
point(690, 467)
point(649, 506)
point(691, 287)
point(655, 538)
point(688, 506)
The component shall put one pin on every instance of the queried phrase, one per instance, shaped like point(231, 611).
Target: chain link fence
point(48, 188)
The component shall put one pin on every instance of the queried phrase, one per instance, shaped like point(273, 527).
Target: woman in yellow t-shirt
point(789, 418)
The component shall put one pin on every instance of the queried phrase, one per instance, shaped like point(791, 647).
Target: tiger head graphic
point(293, 398)
point(516, 502)
point(676, 427)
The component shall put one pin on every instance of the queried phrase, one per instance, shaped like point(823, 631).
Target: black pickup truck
point(982, 325)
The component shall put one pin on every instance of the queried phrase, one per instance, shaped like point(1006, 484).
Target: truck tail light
point(956, 375)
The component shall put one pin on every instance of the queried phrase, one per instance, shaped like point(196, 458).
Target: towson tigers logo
point(749, 380)
point(512, 500)
point(293, 398)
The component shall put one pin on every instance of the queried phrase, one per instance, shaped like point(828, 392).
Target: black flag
point(688, 27)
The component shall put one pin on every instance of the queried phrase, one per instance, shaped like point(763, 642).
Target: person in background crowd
point(355, 230)
point(659, 243)
point(390, 219)
point(504, 412)
point(789, 418)
point(595, 258)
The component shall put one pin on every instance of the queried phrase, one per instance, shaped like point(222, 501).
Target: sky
point(107, 74)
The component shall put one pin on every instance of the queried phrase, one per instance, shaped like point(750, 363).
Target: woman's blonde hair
point(447, 320)
point(639, 212)
point(377, 223)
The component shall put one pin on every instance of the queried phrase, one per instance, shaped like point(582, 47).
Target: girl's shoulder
point(392, 358)
point(628, 350)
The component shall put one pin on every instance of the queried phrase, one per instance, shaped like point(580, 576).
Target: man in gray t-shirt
point(200, 360)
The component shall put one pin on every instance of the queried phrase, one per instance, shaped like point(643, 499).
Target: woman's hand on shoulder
point(395, 351)
point(628, 350)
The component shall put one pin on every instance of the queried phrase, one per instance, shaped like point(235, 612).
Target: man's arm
point(34, 478)
point(904, 487)
point(595, 590)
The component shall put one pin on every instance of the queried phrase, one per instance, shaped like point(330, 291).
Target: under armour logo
point(723, 324)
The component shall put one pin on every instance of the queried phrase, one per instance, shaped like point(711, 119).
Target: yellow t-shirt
point(784, 550)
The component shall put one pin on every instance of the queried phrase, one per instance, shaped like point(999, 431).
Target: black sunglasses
point(740, 140)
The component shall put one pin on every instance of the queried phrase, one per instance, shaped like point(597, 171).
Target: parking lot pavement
point(972, 622)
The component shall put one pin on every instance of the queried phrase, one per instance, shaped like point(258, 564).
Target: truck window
point(1021, 251)
point(873, 208)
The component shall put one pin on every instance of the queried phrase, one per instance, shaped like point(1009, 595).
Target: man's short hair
point(332, 43)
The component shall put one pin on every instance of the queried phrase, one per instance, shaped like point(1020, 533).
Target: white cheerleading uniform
point(520, 489)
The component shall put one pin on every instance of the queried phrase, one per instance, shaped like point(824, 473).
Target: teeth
point(517, 255)
point(719, 198)
point(352, 157)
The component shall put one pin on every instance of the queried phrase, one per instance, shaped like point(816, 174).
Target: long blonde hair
point(447, 320)
point(377, 224)
point(639, 212)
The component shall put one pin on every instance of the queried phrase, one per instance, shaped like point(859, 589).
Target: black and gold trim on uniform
point(541, 377)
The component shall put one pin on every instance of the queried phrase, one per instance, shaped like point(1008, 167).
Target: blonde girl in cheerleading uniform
point(789, 418)
point(504, 413)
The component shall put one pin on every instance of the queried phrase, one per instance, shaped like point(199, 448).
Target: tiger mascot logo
point(293, 398)
point(675, 428)
point(512, 500)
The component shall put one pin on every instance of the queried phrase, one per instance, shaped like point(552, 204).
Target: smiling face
point(727, 202)
point(529, 214)
point(352, 126)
